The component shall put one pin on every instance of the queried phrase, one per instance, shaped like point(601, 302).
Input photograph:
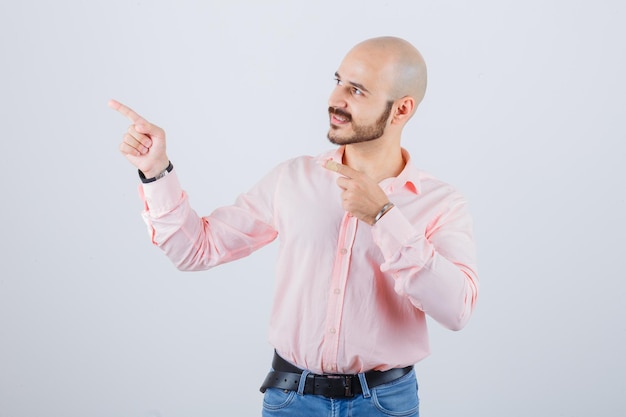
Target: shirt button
point(337, 291)
point(344, 251)
point(332, 330)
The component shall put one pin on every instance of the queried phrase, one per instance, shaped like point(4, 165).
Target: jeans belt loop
point(302, 382)
point(364, 386)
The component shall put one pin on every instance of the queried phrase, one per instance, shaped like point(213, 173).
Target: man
point(369, 244)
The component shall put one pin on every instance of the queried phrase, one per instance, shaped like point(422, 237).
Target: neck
point(378, 159)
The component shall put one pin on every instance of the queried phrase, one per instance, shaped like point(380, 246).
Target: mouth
point(338, 117)
point(338, 120)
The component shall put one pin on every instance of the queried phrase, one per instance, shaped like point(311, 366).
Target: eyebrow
point(353, 84)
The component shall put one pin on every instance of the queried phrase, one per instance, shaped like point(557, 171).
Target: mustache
point(339, 112)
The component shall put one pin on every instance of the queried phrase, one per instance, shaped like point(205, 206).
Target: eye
point(353, 90)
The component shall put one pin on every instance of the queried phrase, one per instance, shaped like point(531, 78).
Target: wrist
point(156, 168)
point(152, 175)
point(383, 210)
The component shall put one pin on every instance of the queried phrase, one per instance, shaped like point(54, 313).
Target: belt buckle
point(346, 381)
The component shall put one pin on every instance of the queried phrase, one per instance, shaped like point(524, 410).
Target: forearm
point(439, 279)
point(445, 291)
point(173, 226)
point(192, 242)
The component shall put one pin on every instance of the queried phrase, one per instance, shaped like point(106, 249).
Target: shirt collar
point(409, 178)
point(410, 175)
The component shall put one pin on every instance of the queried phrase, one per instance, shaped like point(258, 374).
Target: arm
point(192, 242)
point(435, 268)
point(195, 243)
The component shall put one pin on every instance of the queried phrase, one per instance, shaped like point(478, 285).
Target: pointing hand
point(144, 143)
point(361, 196)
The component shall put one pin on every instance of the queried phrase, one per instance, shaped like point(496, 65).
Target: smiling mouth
point(338, 116)
point(334, 119)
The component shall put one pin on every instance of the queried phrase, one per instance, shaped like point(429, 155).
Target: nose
point(337, 97)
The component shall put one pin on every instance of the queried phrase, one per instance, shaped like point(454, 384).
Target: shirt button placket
point(336, 300)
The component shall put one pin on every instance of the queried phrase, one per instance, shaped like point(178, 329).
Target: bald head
point(399, 62)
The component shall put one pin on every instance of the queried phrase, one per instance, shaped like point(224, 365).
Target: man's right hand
point(144, 143)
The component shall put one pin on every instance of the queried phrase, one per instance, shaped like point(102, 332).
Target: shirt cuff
point(393, 232)
point(162, 196)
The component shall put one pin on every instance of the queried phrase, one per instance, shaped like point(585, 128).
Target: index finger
point(341, 169)
point(127, 111)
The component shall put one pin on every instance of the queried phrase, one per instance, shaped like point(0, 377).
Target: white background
point(524, 113)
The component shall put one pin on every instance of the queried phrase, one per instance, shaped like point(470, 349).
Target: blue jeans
point(397, 398)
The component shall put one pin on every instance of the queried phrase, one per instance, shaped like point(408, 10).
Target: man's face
point(359, 107)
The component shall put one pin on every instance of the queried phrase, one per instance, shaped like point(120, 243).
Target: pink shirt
point(349, 297)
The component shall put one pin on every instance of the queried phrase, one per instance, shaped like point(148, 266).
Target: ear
point(405, 107)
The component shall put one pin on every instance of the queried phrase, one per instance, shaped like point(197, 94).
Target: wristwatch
point(382, 211)
point(160, 175)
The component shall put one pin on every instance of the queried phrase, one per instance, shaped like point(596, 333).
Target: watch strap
point(161, 174)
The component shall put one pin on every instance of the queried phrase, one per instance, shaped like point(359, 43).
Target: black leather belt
point(287, 376)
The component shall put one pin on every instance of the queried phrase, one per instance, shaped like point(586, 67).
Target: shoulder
point(306, 161)
point(433, 186)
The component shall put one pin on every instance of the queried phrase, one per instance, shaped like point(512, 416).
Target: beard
point(361, 133)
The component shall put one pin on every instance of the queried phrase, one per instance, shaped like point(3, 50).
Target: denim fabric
point(397, 399)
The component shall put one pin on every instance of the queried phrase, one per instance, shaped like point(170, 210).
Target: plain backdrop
point(524, 113)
